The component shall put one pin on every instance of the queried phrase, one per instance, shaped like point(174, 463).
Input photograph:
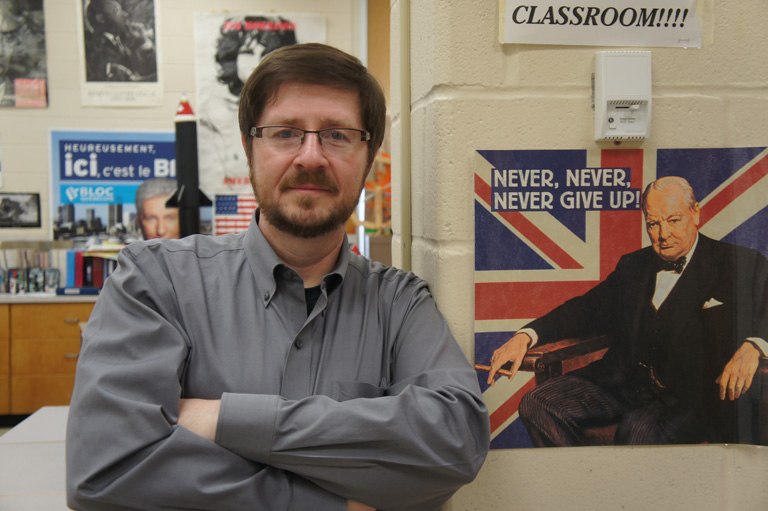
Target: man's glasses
point(286, 138)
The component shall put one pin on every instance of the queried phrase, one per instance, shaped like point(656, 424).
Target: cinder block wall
point(469, 92)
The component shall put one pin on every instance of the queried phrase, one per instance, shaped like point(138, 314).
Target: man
point(686, 316)
point(153, 218)
point(275, 369)
point(118, 49)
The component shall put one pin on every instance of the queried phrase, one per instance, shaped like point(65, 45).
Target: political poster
point(95, 176)
point(657, 23)
point(228, 46)
point(550, 225)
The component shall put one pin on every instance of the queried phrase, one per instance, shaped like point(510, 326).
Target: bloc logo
point(72, 193)
point(90, 194)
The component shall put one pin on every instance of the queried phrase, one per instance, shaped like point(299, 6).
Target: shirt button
point(299, 344)
point(266, 296)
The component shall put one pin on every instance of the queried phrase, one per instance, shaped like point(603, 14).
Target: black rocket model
point(188, 196)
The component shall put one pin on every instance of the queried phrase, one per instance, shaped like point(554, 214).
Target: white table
point(32, 462)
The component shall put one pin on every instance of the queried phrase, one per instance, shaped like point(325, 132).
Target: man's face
point(157, 221)
point(310, 191)
point(9, 30)
point(115, 17)
point(671, 224)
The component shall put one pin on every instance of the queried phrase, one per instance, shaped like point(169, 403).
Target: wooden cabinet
point(5, 362)
point(44, 346)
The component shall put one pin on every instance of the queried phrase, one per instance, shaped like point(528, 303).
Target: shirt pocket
point(346, 390)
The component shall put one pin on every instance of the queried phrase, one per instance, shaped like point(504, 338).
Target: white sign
point(665, 23)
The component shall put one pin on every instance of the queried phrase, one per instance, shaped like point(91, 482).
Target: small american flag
point(232, 213)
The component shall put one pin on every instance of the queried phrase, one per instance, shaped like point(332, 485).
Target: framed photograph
point(20, 210)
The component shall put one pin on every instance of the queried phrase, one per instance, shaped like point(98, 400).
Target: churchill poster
point(561, 248)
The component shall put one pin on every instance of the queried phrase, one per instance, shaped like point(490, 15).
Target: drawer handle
point(71, 320)
point(71, 355)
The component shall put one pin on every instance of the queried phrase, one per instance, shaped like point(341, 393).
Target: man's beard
point(309, 223)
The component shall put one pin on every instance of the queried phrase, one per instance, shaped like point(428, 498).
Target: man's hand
point(512, 351)
point(356, 506)
point(200, 416)
point(739, 371)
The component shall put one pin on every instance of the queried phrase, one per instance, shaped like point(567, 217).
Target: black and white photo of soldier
point(119, 40)
point(22, 45)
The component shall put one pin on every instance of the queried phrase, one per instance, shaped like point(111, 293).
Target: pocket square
point(712, 303)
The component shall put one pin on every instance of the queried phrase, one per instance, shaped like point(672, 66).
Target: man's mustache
point(317, 178)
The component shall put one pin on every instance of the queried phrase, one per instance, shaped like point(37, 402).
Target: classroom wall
point(464, 91)
point(24, 132)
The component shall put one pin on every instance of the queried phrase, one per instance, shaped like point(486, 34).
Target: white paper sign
point(665, 23)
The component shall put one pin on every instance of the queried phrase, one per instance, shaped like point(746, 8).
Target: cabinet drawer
point(5, 353)
point(48, 321)
point(30, 393)
point(44, 357)
point(5, 332)
point(5, 395)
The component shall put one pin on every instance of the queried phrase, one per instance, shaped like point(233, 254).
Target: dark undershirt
point(311, 294)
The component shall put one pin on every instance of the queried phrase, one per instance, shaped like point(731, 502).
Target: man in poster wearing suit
point(688, 318)
point(117, 48)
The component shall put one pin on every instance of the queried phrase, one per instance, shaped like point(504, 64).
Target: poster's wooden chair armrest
point(555, 359)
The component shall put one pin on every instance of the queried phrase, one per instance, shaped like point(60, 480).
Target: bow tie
point(675, 266)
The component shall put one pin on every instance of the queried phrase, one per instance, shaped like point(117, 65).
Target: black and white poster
point(227, 48)
point(119, 53)
point(23, 68)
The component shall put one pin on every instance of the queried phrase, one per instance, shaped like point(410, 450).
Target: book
point(79, 267)
point(70, 273)
point(75, 291)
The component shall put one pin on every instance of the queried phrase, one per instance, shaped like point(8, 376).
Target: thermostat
point(622, 95)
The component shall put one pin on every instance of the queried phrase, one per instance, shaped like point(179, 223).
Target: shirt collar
point(689, 255)
point(266, 266)
point(111, 37)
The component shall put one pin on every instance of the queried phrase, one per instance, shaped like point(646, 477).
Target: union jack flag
point(232, 213)
point(529, 262)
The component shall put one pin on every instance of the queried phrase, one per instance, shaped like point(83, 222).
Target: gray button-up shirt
point(368, 398)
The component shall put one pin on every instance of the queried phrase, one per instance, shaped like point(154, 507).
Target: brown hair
point(313, 64)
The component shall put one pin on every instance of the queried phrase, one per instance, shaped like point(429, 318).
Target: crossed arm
point(200, 417)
